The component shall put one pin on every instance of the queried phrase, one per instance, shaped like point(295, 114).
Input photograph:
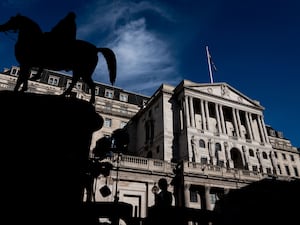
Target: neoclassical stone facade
point(214, 134)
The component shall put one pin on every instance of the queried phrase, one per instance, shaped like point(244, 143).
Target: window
point(254, 168)
point(283, 156)
point(279, 169)
point(203, 160)
point(149, 127)
point(79, 86)
point(193, 196)
point(296, 172)
point(280, 134)
point(213, 198)
point(97, 91)
point(221, 163)
point(251, 152)
point(264, 155)
point(14, 71)
point(123, 97)
point(287, 170)
point(201, 143)
point(292, 158)
point(107, 122)
point(272, 133)
point(53, 80)
point(218, 147)
point(109, 93)
point(269, 171)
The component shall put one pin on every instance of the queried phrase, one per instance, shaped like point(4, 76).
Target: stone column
point(207, 198)
point(218, 118)
point(187, 194)
point(222, 120)
point(248, 126)
point(192, 112)
point(203, 115)
point(273, 162)
point(239, 122)
point(235, 122)
point(207, 115)
point(265, 130)
point(261, 130)
point(187, 114)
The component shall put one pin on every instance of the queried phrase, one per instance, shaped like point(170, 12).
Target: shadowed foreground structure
point(45, 144)
point(268, 201)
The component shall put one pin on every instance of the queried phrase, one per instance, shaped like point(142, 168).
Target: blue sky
point(254, 44)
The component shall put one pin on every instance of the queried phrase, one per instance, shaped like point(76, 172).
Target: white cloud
point(144, 61)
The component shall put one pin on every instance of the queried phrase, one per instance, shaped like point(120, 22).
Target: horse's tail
point(111, 61)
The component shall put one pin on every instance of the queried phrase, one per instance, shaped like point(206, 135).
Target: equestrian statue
point(56, 50)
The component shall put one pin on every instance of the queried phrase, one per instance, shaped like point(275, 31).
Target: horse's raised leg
point(23, 79)
point(37, 75)
point(71, 86)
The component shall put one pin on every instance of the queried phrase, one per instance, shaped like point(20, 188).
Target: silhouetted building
point(206, 139)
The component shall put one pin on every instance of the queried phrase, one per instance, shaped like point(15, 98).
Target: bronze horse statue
point(34, 50)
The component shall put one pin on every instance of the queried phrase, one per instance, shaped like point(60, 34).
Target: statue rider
point(59, 39)
point(65, 30)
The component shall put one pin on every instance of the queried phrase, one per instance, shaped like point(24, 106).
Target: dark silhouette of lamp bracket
point(105, 191)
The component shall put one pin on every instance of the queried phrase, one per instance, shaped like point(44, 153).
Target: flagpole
point(209, 65)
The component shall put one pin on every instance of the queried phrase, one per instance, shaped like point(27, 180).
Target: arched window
point(218, 147)
point(201, 143)
point(264, 155)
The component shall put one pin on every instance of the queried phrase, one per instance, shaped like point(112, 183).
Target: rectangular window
point(193, 196)
point(254, 168)
point(296, 172)
point(287, 170)
point(15, 71)
point(292, 158)
point(280, 134)
point(107, 122)
point(123, 97)
point(203, 160)
point(283, 156)
point(97, 91)
point(53, 80)
point(279, 169)
point(272, 133)
point(213, 198)
point(221, 163)
point(79, 86)
point(269, 171)
point(109, 93)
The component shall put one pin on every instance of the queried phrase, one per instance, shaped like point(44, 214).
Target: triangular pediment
point(225, 91)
